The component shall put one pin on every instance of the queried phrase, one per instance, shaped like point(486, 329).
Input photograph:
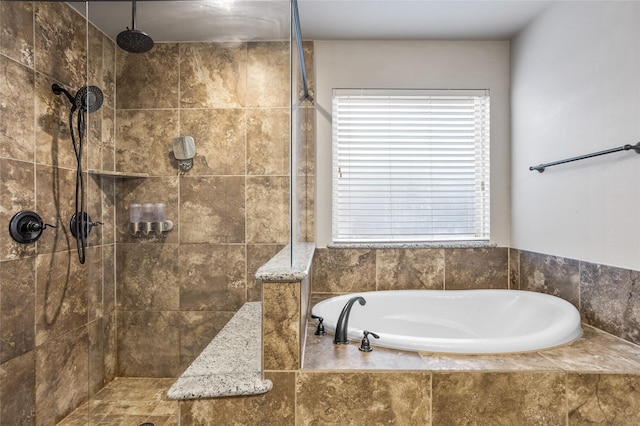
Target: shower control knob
point(26, 227)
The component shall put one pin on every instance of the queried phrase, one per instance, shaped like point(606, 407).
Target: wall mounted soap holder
point(149, 219)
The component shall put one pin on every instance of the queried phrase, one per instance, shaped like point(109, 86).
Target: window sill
point(418, 245)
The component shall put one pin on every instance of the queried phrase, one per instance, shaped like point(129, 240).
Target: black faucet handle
point(320, 331)
point(365, 345)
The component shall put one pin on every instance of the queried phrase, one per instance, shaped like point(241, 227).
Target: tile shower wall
point(57, 317)
point(230, 211)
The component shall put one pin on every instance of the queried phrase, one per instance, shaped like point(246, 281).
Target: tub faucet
point(342, 327)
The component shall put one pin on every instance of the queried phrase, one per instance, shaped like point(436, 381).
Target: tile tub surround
point(574, 384)
point(607, 297)
point(230, 365)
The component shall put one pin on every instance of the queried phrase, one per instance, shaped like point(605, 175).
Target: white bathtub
point(458, 321)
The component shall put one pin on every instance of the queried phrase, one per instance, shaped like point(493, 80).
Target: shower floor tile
point(128, 401)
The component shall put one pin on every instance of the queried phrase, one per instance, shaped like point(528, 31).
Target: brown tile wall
point(607, 297)
point(57, 316)
point(230, 211)
point(337, 271)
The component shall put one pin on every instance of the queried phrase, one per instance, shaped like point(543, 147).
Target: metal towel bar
point(540, 168)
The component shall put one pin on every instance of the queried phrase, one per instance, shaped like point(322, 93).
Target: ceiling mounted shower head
point(89, 98)
point(133, 40)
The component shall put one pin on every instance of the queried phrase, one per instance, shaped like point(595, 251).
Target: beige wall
point(576, 90)
point(415, 65)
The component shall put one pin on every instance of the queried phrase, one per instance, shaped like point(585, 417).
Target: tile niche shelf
point(123, 175)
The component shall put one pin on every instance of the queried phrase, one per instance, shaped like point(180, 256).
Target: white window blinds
point(410, 165)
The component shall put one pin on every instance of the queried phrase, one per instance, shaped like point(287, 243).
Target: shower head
point(132, 40)
point(57, 89)
point(89, 98)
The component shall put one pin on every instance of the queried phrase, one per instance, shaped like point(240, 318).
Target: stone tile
point(135, 389)
point(104, 208)
point(108, 279)
point(145, 141)
point(53, 145)
point(148, 80)
point(55, 198)
point(604, 296)
point(550, 274)
point(603, 399)
point(18, 390)
point(148, 277)
point(60, 40)
point(398, 269)
point(322, 354)
point(268, 141)
point(61, 376)
point(149, 344)
point(499, 399)
point(198, 330)
point(307, 225)
point(596, 352)
point(258, 255)
point(631, 326)
point(219, 135)
point(514, 269)
point(17, 308)
point(110, 346)
point(268, 210)
point(280, 326)
point(517, 362)
point(96, 373)
point(61, 295)
point(108, 84)
point(268, 71)
point(16, 194)
point(213, 75)
point(16, 31)
point(95, 272)
point(344, 270)
point(214, 277)
point(147, 190)
point(212, 209)
point(276, 407)
point(348, 398)
point(17, 84)
point(476, 268)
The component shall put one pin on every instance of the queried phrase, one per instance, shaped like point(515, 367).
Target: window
point(410, 165)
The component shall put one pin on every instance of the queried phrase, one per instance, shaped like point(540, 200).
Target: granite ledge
point(285, 268)
point(231, 364)
point(416, 245)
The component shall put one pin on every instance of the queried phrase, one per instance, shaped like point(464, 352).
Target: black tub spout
point(342, 326)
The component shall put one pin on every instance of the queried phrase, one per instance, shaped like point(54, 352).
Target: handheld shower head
point(57, 89)
point(89, 98)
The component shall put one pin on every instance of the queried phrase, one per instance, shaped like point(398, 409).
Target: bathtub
point(457, 321)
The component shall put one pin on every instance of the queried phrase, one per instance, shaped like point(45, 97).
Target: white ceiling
point(244, 20)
